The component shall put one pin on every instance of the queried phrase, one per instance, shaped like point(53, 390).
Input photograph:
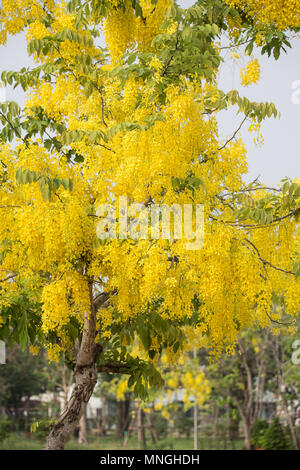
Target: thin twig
point(247, 190)
point(236, 45)
point(278, 322)
point(265, 262)
point(251, 227)
point(12, 276)
point(14, 129)
point(231, 138)
point(170, 59)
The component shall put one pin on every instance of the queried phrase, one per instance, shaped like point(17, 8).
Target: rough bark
point(82, 438)
point(85, 380)
point(85, 374)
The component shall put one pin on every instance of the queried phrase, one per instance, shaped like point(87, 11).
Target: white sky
point(280, 155)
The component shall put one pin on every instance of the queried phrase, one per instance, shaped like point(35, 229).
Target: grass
point(21, 442)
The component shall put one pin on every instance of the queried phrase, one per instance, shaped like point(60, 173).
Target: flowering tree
point(138, 120)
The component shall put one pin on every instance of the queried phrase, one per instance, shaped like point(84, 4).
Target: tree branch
point(113, 368)
point(170, 59)
point(265, 262)
point(12, 276)
point(102, 300)
point(14, 128)
point(231, 138)
point(251, 227)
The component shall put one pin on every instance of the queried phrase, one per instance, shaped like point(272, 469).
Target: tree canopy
point(138, 118)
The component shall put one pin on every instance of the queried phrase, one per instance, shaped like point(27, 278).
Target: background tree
point(242, 379)
point(22, 377)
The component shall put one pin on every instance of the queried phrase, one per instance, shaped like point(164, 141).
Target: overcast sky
point(280, 155)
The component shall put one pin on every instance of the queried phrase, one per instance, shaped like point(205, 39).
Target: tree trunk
point(123, 417)
point(85, 380)
point(281, 391)
point(195, 427)
point(103, 421)
point(153, 432)
point(215, 421)
point(195, 415)
point(247, 433)
point(82, 438)
point(120, 419)
point(126, 413)
point(26, 421)
point(141, 428)
point(290, 420)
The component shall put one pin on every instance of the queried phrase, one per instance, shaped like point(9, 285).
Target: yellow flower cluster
point(283, 14)
point(251, 74)
point(133, 30)
point(122, 389)
point(197, 385)
point(189, 380)
point(15, 15)
point(54, 353)
point(34, 350)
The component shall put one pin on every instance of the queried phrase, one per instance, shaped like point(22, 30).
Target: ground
point(21, 442)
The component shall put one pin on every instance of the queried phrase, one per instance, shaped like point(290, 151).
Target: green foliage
point(5, 429)
point(184, 425)
point(272, 207)
point(48, 185)
point(24, 325)
point(19, 442)
point(41, 428)
point(259, 429)
point(160, 425)
point(9, 118)
point(275, 438)
point(190, 183)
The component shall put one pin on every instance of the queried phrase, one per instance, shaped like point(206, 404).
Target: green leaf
point(131, 59)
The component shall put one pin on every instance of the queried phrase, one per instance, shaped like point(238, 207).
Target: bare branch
point(251, 227)
point(248, 190)
point(12, 276)
point(231, 138)
point(265, 262)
